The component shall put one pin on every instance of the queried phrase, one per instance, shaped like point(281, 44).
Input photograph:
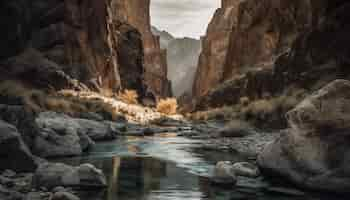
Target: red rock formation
point(250, 34)
point(214, 48)
point(137, 13)
point(265, 29)
point(85, 39)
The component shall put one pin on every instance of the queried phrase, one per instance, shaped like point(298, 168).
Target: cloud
point(183, 17)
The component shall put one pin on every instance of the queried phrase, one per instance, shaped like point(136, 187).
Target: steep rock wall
point(214, 48)
point(79, 38)
point(137, 14)
point(318, 55)
point(249, 35)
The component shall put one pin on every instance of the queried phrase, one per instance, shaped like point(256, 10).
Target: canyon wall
point(182, 58)
point(70, 36)
point(214, 48)
point(315, 51)
point(248, 35)
point(106, 45)
point(137, 14)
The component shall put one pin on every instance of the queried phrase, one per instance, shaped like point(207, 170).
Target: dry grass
point(66, 101)
point(167, 106)
point(15, 92)
point(129, 96)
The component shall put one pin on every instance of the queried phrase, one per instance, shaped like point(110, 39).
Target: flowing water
point(167, 168)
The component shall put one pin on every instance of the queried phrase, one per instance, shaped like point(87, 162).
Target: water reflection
point(167, 170)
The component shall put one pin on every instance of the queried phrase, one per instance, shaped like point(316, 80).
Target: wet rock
point(314, 152)
point(246, 169)
point(286, 191)
point(58, 189)
point(224, 174)
point(14, 154)
point(64, 196)
point(52, 175)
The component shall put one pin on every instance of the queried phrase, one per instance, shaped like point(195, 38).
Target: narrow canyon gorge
point(99, 101)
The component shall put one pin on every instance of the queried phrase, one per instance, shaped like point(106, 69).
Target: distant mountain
point(182, 57)
point(165, 37)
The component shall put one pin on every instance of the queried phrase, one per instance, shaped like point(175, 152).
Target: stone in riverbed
point(224, 174)
point(51, 175)
point(315, 152)
point(246, 169)
point(64, 196)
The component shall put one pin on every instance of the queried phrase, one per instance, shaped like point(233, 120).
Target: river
point(167, 167)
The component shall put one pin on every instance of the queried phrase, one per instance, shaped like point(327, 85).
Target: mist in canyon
point(180, 25)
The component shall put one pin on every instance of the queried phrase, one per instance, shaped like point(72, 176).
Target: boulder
point(64, 196)
point(22, 119)
point(14, 154)
point(97, 130)
point(59, 135)
point(246, 169)
point(51, 175)
point(315, 152)
point(224, 174)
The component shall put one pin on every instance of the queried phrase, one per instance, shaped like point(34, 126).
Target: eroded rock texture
point(84, 39)
point(137, 14)
point(314, 153)
point(311, 43)
point(214, 48)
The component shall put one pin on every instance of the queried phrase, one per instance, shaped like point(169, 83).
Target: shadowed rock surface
point(314, 152)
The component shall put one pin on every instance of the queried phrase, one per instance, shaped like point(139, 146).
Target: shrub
point(129, 96)
point(167, 106)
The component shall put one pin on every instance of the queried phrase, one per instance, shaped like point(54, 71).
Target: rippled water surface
point(166, 168)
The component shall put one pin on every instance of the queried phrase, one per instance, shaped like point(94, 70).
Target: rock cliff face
point(298, 56)
point(137, 14)
point(86, 40)
point(249, 35)
point(214, 48)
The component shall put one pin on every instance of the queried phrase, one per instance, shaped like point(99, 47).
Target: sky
point(183, 18)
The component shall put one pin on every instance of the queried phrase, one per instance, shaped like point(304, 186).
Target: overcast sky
point(183, 17)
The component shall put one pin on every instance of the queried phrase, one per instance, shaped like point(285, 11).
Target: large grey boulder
point(51, 175)
point(97, 130)
point(14, 154)
point(315, 152)
point(59, 135)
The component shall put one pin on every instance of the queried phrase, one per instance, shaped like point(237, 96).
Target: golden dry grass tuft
point(15, 91)
point(167, 106)
point(129, 96)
